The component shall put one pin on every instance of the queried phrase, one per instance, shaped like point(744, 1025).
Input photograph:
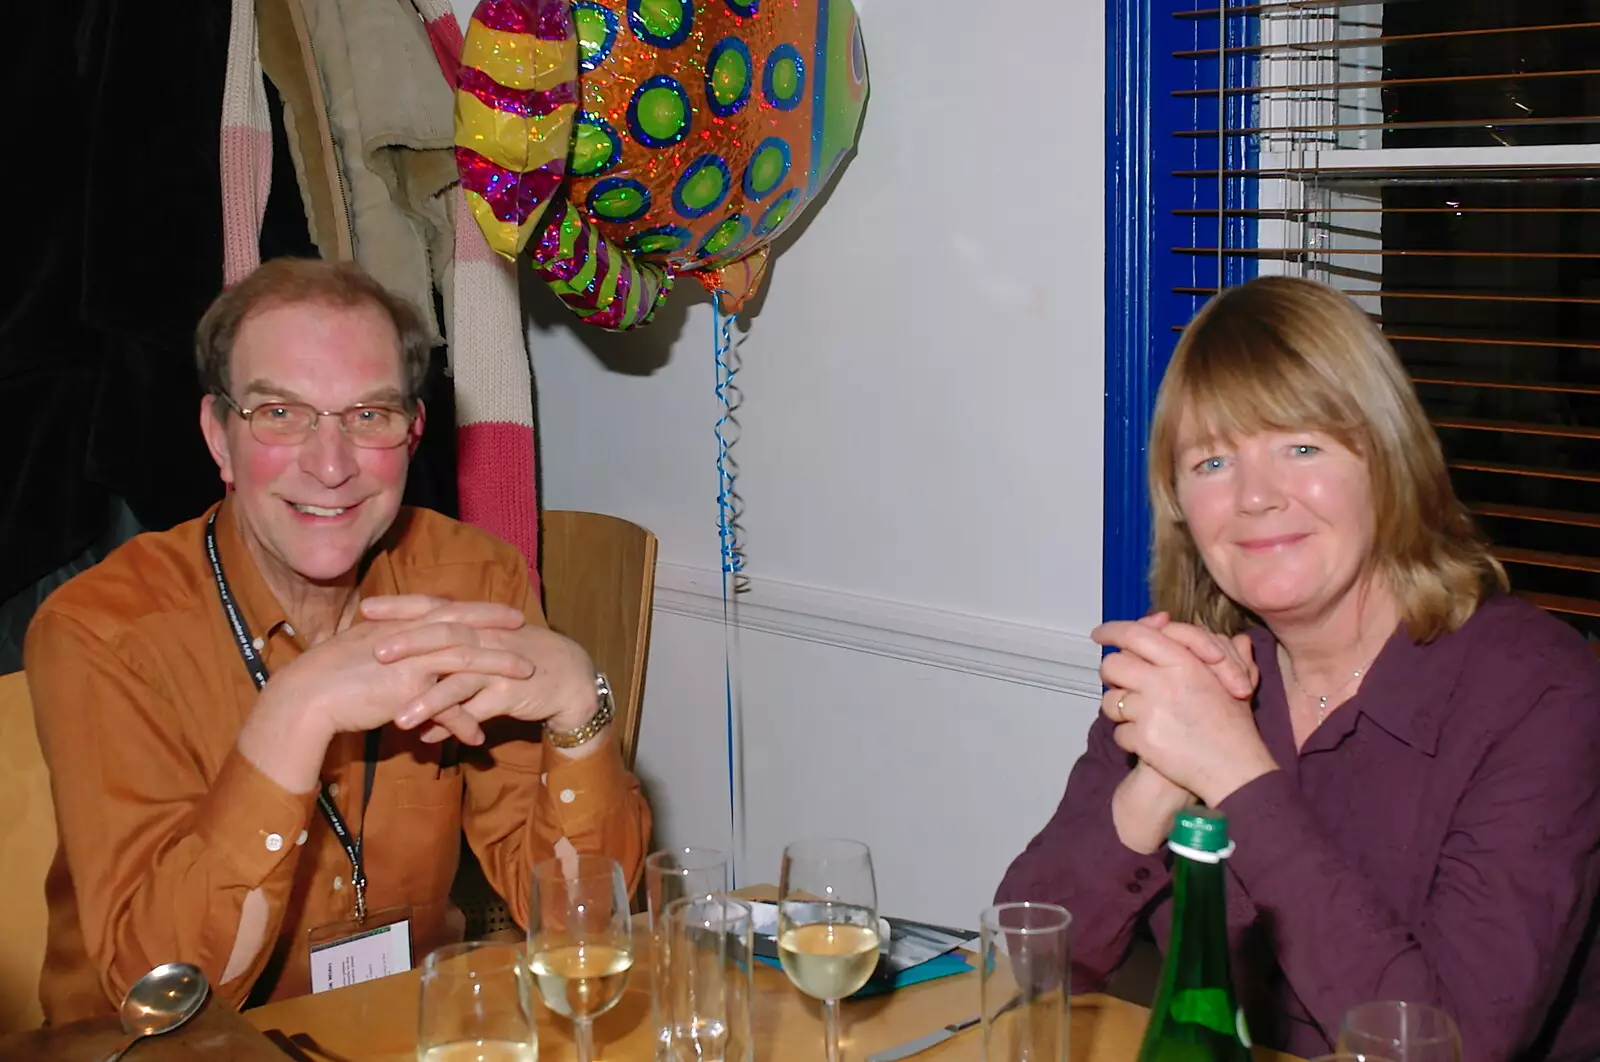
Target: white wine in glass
point(828, 924)
point(482, 1051)
point(581, 980)
point(580, 940)
point(830, 960)
point(473, 1005)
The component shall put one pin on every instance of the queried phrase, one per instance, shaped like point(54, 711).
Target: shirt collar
point(1405, 690)
point(380, 577)
point(263, 612)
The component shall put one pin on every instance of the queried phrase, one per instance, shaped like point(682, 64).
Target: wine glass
point(672, 875)
point(473, 1005)
point(828, 924)
point(1401, 1032)
point(580, 940)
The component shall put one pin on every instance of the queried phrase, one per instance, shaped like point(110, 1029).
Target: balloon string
point(730, 506)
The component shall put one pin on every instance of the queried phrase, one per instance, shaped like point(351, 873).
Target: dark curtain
point(117, 205)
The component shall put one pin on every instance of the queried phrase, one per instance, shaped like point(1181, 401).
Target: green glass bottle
point(1196, 1017)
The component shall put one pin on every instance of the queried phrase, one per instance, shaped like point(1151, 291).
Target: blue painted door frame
point(1149, 176)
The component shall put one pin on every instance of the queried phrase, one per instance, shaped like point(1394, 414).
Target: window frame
point(1142, 309)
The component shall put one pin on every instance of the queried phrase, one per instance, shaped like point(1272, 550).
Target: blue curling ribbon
point(730, 507)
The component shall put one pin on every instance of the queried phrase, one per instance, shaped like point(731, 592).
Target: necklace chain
point(1322, 700)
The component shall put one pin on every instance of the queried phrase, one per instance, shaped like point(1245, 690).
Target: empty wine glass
point(671, 875)
point(580, 940)
point(1401, 1032)
point(828, 924)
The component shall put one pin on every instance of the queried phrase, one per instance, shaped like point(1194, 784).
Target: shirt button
point(338, 883)
point(274, 841)
point(1143, 873)
point(302, 838)
point(568, 796)
point(1135, 887)
point(259, 644)
point(333, 789)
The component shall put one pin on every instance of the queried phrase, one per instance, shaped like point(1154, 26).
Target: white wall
point(921, 460)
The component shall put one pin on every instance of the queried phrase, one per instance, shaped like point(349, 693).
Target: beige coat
point(370, 123)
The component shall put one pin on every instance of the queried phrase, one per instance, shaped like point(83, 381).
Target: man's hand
point(341, 686)
point(560, 691)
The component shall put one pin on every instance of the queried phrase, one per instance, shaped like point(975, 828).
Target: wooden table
point(218, 1031)
point(377, 1022)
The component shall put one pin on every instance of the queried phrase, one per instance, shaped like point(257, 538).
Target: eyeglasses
point(373, 427)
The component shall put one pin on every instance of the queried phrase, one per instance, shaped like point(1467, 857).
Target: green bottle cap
point(1201, 829)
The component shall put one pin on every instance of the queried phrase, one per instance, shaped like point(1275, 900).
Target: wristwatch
point(570, 739)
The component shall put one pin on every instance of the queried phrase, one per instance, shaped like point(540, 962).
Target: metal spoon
point(160, 1001)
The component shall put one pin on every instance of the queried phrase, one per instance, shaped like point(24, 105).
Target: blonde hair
point(1287, 354)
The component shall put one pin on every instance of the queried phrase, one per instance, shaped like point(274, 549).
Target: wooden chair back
point(599, 587)
point(599, 575)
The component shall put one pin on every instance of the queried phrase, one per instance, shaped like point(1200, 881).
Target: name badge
point(349, 953)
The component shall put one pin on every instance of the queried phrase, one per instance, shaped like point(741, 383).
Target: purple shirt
point(1437, 840)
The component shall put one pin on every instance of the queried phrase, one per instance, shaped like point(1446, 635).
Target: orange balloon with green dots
point(701, 129)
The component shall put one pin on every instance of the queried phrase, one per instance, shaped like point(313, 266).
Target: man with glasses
point(267, 727)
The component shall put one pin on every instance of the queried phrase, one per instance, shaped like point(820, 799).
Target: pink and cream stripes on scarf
point(246, 153)
point(493, 380)
point(493, 385)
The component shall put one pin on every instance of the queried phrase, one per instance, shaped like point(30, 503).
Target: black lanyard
point(258, 674)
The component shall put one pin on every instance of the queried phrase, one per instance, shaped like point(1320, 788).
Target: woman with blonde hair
point(1409, 756)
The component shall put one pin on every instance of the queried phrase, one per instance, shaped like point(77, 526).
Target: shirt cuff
point(1093, 873)
point(1135, 876)
point(582, 792)
point(254, 823)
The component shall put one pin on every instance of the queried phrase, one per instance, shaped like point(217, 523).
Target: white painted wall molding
point(977, 645)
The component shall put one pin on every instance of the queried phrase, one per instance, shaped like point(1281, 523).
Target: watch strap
point(568, 739)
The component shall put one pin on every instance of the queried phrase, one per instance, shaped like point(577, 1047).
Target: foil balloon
point(516, 95)
point(516, 98)
point(702, 129)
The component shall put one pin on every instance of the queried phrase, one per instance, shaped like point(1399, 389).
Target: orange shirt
point(139, 693)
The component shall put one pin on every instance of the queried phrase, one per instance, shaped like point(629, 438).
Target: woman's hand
point(1144, 806)
point(1146, 802)
point(1180, 696)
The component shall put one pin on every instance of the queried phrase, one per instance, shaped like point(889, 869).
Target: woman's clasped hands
point(1180, 697)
